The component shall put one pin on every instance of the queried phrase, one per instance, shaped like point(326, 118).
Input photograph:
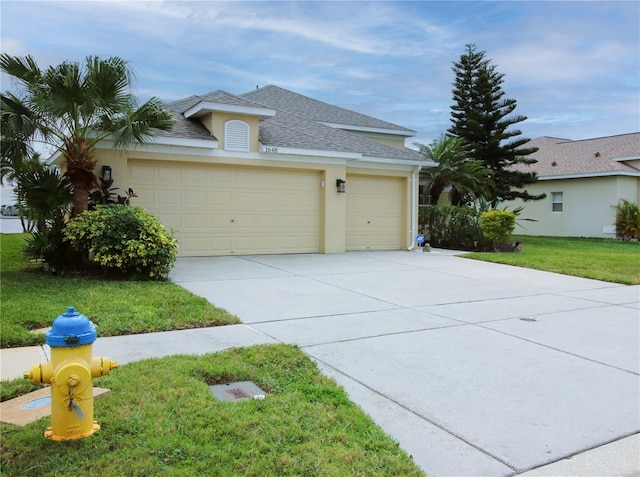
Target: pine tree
point(481, 116)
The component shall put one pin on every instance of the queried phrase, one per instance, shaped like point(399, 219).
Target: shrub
point(48, 245)
point(497, 226)
point(451, 226)
point(124, 239)
point(628, 220)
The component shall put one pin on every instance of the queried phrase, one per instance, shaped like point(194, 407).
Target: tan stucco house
point(584, 181)
point(272, 171)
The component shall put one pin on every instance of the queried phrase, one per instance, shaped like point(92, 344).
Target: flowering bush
point(124, 239)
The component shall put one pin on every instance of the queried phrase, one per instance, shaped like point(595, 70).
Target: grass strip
point(610, 261)
point(161, 419)
point(32, 299)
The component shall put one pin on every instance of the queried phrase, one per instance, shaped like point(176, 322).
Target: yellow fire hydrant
point(70, 373)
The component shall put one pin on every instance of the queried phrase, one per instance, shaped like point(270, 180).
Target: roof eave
point(585, 175)
point(351, 127)
point(205, 107)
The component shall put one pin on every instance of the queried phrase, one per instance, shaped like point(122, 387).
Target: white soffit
point(351, 127)
point(206, 107)
point(627, 158)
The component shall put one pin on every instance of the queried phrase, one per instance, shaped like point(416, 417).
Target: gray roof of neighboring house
point(291, 127)
point(558, 157)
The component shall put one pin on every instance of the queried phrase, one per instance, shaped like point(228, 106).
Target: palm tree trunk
point(435, 192)
point(80, 198)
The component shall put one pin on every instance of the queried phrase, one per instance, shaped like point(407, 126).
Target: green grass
point(160, 419)
point(610, 261)
point(32, 299)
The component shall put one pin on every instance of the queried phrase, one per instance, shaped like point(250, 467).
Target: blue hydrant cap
point(71, 329)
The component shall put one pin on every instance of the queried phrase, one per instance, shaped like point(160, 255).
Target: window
point(236, 136)
point(556, 202)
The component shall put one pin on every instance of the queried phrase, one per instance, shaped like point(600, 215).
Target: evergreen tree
point(480, 116)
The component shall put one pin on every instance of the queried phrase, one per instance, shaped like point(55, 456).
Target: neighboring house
point(584, 181)
point(263, 173)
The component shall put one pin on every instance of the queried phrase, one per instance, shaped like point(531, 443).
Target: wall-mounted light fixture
point(340, 184)
point(106, 173)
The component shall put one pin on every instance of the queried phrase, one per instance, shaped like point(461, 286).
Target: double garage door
point(223, 210)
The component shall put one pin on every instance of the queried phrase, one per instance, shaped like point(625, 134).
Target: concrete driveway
point(475, 368)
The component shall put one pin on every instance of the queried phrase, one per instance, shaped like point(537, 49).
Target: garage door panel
point(244, 178)
point(244, 244)
point(191, 197)
point(219, 198)
point(141, 174)
point(266, 221)
point(145, 196)
point(374, 212)
point(195, 245)
point(192, 221)
point(218, 244)
point(171, 197)
point(167, 174)
point(218, 177)
point(193, 176)
point(269, 199)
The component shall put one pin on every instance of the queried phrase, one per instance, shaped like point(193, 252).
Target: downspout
point(414, 207)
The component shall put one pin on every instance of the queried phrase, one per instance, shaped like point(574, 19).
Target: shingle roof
point(297, 123)
point(183, 127)
point(309, 108)
point(558, 157)
point(288, 130)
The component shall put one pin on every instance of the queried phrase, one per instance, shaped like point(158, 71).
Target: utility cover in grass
point(239, 391)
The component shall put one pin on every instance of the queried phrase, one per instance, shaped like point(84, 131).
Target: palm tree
point(73, 107)
point(468, 178)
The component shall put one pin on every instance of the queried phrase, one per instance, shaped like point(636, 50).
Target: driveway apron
point(474, 368)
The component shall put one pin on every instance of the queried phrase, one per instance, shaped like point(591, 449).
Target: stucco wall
point(588, 206)
point(215, 122)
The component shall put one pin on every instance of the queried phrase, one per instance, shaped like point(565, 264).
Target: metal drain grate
point(239, 391)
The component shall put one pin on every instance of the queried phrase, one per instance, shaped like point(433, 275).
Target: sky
point(572, 66)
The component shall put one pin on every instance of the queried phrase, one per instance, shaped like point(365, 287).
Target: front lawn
point(161, 419)
point(32, 299)
point(611, 261)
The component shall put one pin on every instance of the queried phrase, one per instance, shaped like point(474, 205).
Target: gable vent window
point(236, 136)
point(556, 202)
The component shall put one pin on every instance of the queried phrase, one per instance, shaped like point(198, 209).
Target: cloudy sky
point(573, 67)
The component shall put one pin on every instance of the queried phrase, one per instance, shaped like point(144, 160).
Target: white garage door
point(374, 212)
point(221, 210)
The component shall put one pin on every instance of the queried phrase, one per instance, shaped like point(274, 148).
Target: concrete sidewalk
point(475, 368)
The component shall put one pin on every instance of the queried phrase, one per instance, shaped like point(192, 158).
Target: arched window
point(236, 136)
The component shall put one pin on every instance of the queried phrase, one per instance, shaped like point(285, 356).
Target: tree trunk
point(435, 192)
point(80, 198)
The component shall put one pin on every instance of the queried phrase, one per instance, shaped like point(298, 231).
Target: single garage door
point(222, 210)
point(374, 212)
